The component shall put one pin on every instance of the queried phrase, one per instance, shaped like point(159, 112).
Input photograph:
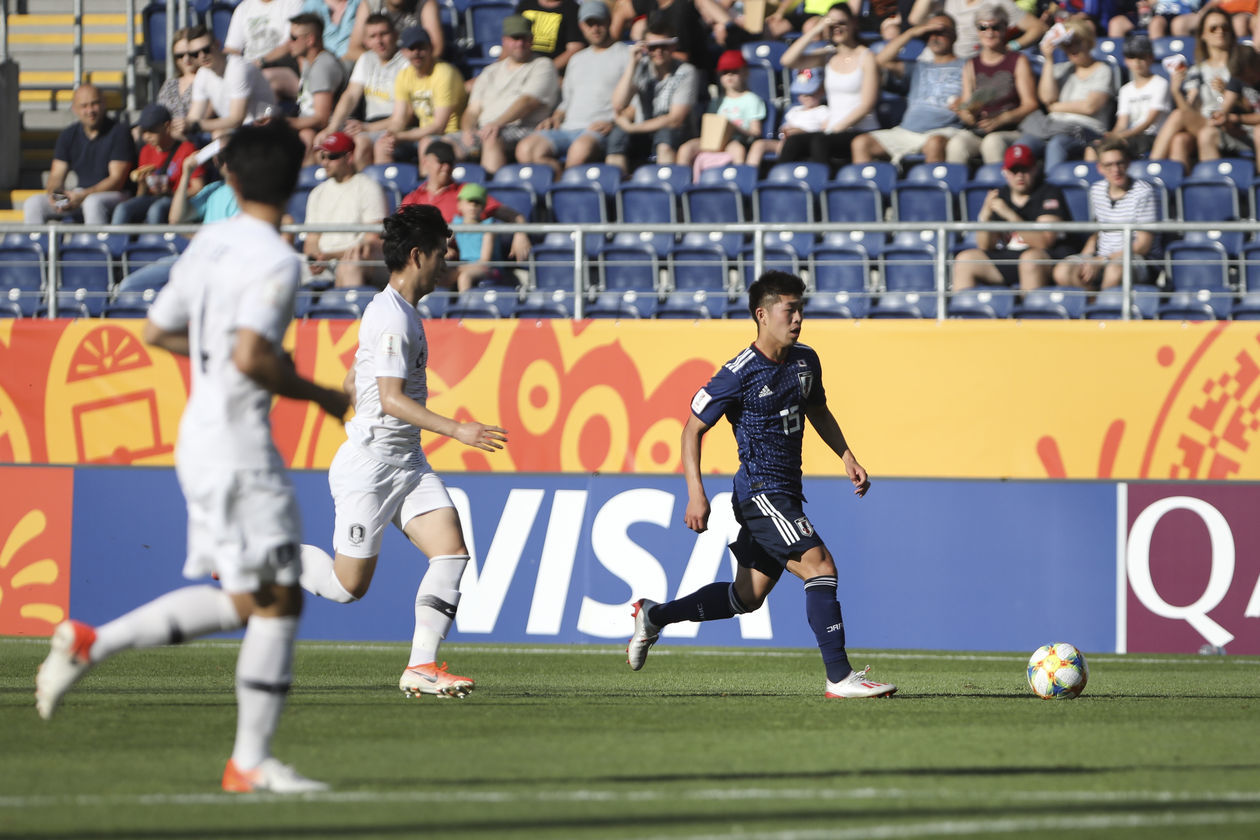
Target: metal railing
point(941, 235)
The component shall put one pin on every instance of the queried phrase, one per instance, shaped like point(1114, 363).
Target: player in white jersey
point(227, 306)
point(380, 474)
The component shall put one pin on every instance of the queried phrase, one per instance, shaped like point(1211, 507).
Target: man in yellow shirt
point(428, 98)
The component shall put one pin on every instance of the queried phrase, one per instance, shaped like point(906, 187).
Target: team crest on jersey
point(357, 533)
point(805, 527)
point(807, 382)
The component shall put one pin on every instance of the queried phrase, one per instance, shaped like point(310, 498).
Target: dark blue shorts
point(773, 530)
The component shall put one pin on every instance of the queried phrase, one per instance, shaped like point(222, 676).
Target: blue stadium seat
point(841, 279)
point(855, 202)
point(434, 305)
point(1165, 174)
point(814, 175)
point(1211, 200)
point(538, 305)
point(134, 294)
point(622, 304)
point(1200, 266)
point(483, 302)
point(311, 176)
point(700, 267)
point(646, 203)
point(923, 202)
point(1250, 266)
point(908, 270)
point(1193, 306)
point(341, 303)
point(880, 174)
point(693, 305)
point(579, 203)
point(953, 175)
point(1073, 178)
point(743, 176)
point(1182, 45)
point(1240, 172)
point(297, 204)
point(763, 80)
point(1108, 304)
point(715, 205)
point(872, 242)
point(86, 273)
point(537, 176)
point(519, 196)
point(785, 202)
point(402, 176)
point(674, 174)
point(551, 264)
point(773, 258)
point(629, 266)
point(981, 303)
point(890, 108)
point(138, 254)
point(1050, 303)
point(1247, 307)
point(21, 276)
point(467, 172)
point(483, 25)
point(986, 177)
point(605, 175)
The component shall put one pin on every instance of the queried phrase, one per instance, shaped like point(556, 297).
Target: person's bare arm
point(696, 515)
point(824, 422)
point(396, 403)
point(254, 356)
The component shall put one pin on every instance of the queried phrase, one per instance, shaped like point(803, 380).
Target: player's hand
point(481, 436)
point(857, 475)
point(696, 515)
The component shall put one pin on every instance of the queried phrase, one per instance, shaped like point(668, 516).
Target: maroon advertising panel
point(1192, 567)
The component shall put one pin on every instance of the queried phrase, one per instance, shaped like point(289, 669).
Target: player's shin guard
point(175, 617)
point(264, 671)
point(319, 576)
point(823, 611)
point(436, 602)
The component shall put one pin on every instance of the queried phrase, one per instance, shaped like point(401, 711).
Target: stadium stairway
point(42, 43)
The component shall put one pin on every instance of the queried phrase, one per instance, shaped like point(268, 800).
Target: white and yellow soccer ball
point(1057, 671)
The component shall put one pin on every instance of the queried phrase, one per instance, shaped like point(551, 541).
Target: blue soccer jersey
point(765, 402)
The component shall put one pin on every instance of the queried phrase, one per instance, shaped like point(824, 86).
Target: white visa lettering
point(629, 561)
point(483, 592)
point(555, 567)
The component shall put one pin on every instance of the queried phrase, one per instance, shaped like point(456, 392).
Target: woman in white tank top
point(851, 78)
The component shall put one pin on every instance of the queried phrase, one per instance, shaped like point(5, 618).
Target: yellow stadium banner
point(958, 399)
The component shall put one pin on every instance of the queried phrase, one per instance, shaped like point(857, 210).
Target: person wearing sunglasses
point(176, 92)
point(323, 79)
point(966, 14)
point(348, 197)
point(228, 91)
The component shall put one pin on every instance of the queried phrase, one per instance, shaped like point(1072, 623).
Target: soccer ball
point(1057, 671)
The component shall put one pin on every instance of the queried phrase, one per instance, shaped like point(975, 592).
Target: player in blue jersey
point(766, 392)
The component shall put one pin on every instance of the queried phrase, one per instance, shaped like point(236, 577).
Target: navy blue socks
point(708, 603)
point(823, 611)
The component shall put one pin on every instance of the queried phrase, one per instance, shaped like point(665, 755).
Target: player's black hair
point(771, 285)
point(413, 226)
point(265, 161)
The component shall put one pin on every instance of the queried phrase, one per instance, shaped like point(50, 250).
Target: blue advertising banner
point(957, 565)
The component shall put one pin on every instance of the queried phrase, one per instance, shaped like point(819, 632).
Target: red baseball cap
point(731, 60)
point(1019, 156)
point(337, 143)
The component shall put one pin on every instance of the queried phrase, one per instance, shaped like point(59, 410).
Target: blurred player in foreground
point(380, 474)
point(227, 306)
point(765, 392)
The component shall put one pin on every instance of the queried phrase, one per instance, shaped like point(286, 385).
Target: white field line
point(1070, 823)
point(1144, 799)
point(743, 653)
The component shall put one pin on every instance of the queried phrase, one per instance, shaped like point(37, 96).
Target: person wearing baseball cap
point(428, 99)
point(554, 25)
point(1025, 258)
point(371, 83)
point(743, 110)
point(810, 115)
point(161, 163)
point(509, 99)
point(577, 132)
point(347, 197)
point(477, 251)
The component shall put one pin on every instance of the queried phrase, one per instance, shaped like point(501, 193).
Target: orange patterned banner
point(36, 512)
point(916, 399)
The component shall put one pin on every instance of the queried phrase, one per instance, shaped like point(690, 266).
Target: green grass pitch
point(561, 742)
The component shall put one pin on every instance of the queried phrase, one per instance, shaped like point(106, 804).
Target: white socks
point(264, 671)
point(175, 617)
point(436, 602)
point(319, 576)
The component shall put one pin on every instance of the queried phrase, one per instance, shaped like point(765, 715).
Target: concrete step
point(46, 29)
point(13, 199)
point(60, 98)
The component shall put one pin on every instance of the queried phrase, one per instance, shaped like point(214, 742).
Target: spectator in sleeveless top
point(998, 91)
point(966, 13)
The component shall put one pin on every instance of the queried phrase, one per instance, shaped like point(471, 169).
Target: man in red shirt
point(161, 163)
point(441, 190)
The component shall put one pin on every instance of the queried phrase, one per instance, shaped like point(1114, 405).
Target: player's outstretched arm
point(824, 422)
point(395, 403)
point(172, 341)
point(696, 515)
point(255, 357)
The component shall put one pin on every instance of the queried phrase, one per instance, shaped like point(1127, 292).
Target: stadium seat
point(536, 176)
point(483, 303)
point(743, 176)
point(813, 175)
point(923, 202)
point(1247, 307)
point(538, 305)
point(138, 254)
point(981, 303)
point(402, 176)
point(674, 174)
point(629, 266)
point(1201, 266)
point(987, 177)
point(880, 174)
point(773, 258)
point(1182, 45)
point(1074, 177)
point(606, 176)
point(700, 267)
point(434, 305)
point(297, 204)
point(785, 202)
point(1108, 304)
point(715, 205)
point(520, 196)
point(889, 109)
point(647, 203)
point(841, 280)
point(1165, 174)
point(467, 172)
point(1193, 306)
point(908, 272)
point(694, 305)
point(855, 202)
point(579, 203)
point(86, 272)
point(763, 80)
point(311, 176)
point(551, 264)
point(953, 175)
point(622, 304)
point(21, 276)
point(1240, 172)
point(483, 25)
point(1050, 303)
point(1211, 200)
point(341, 303)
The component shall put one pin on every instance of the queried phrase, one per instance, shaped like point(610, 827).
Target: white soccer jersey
point(240, 80)
point(391, 343)
point(236, 274)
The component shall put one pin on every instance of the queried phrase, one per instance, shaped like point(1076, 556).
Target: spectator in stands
point(477, 251)
point(345, 197)
point(557, 34)
point(851, 78)
point(1199, 93)
point(161, 161)
point(212, 203)
point(743, 110)
point(1078, 95)
point(1116, 198)
point(998, 92)
point(811, 115)
point(259, 33)
point(1228, 132)
point(1023, 258)
point(402, 14)
point(967, 13)
point(509, 99)
point(323, 78)
point(426, 90)
point(928, 122)
point(631, 21)
point(372, 83)
point(1144, 101)
point(227, 86)
point(337, 19)
point(99, 151)
point(578, 130)
point(176, 92)
point(1173, 17)
point(442, 191)
point(661, 92)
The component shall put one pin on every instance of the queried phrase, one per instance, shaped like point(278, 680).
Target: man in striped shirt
point(767, 392)
point(1116, 198)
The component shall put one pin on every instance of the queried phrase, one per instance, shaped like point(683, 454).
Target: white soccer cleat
point(433, 679)
point(645, 635)
point(270, 777)
point(858, 685)
point(67, 661)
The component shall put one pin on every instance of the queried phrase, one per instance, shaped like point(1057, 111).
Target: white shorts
point(899, 142)
point(243, 525)
point(368, 495)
